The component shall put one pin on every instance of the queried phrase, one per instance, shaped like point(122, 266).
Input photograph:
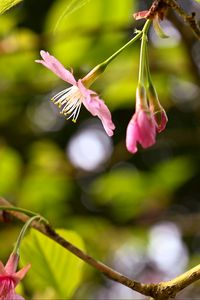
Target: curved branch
point(47, 230)
point(160, 291)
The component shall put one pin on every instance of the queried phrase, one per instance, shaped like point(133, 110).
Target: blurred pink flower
point(71, 99)
point(142, 126)
point(9, 278)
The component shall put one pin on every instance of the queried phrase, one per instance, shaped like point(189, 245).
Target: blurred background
point(140, 214)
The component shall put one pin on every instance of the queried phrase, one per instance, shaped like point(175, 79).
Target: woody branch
point(160, 291)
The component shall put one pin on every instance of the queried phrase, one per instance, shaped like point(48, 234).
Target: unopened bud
point(156, 108)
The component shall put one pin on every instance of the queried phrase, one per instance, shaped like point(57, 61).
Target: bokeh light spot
point(90, 148)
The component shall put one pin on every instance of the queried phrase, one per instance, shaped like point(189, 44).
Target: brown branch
point(177, 284)
point(189, 19)
point(160, 291)
point(107, 271)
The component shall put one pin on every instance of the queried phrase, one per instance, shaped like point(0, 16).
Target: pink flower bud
point(161, 119)
point(142, 126)
point(158, 111)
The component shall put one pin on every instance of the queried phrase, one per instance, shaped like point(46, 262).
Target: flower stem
point(108, 60)
point(147, 68)
point(142, 65)
point(27, 212)
point(24, 229)
point(100, 68)
point(22, 233)
point(134, 39)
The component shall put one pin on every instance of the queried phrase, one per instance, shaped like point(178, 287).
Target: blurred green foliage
point(115, 205)
point(123, 188)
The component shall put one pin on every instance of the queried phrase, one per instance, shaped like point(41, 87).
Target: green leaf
point(7, 4)
point(53, 268)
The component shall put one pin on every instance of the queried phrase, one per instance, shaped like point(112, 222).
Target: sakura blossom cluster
point(149, 117)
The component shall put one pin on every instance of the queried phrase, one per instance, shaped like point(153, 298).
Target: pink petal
point(56, 67)
point(97, 107)
point(2, 270)
point(141, 129)
point(7, 291)
point(18, 276)
point(132, 136)
point(147, 129)
point(12, 263)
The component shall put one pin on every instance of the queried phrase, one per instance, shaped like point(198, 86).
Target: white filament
point(70, 101)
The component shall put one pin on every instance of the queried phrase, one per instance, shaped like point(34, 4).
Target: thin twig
point(160, 291)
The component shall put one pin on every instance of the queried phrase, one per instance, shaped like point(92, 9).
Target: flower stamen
point(70, 101)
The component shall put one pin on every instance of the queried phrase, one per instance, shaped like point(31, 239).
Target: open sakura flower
point(142, 126)
point(71, 99)
point(9, 278)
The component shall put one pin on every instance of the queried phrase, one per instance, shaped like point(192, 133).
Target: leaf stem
point(23, 231)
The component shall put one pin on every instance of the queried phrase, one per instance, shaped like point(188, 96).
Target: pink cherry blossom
point(71, 99)
point(142, 126)
point(9, 278)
